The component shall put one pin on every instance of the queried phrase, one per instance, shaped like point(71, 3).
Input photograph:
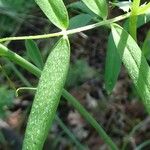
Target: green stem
point(69, 133)
point(133, 19)
point(68, 32)
point(44, 36)
point(4, 51)
point(89, 118)
point(144, 144)
point(18, 73)
point(134, 129)
point(34, 70)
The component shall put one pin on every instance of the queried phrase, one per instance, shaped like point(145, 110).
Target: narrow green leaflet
point(99, 7)
point(79, 21)
point(113, 61)
point(143, 19)
point(124, 5)
point(81, 7)
point(112, 65)
point(134, 61)
point(34, 53)
point(144, 8)
point(55, 11)
point(47, 96)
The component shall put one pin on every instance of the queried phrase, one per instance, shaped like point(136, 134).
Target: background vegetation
point(121, 113)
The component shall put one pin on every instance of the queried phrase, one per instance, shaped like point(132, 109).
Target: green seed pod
point(47, 96)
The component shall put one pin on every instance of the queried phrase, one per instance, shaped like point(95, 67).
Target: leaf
point(34, 53)
point(48, 95)
point(143, 19)
point(81, 7)
point(124, 5)
point(144, 8)
point(134, 61)
point(99, 7)
point(112, 65)
point(79, 21)
point(55, 11)
point(146, 46)
point(112, 58)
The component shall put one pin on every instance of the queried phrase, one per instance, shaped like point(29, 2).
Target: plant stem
point(18, 73)
point(4, 51)
point(89, 118)
point(37, 72)
point(43, 36)
point(69, 133)
point(133, 19)
point(144, 144)
point(68, 32)
point(102, 23)
point(134, 129)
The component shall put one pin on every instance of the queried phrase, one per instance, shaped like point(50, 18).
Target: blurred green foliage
point(79, 72)
point(6, 99)
point(13, 13)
